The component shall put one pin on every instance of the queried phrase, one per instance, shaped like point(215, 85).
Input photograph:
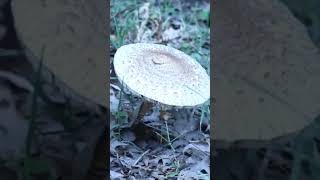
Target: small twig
point(176, 162)
point(140, 157)
point(180, 135)
point(161, 136)
point(168, 135)
point(162, 131)
point(34, 106)
point(142, 167)
point(119, 160)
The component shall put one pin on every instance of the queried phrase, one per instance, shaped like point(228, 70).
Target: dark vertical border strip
point(212, 71)
point(107, 137)
point(100, 170)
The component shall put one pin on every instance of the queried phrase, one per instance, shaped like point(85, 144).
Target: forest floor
point(156, 149)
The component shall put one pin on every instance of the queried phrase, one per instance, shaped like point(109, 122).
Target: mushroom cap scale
point(162, 74)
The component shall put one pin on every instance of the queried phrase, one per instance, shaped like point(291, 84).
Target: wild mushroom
point(267, 80)
point(161, 74)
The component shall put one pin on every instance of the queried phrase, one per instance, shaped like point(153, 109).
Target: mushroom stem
point(165, 113)
point(162, 114)
point(144, 108)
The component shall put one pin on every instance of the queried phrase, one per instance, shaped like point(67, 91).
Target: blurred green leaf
point(122, 116)
point(174, 174)
point(203, 15)
point(197, 56)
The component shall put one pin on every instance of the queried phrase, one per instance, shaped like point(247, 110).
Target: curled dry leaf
point(127, 161)
point(199, 170)
point(199, 148)
point(115, 87)
point(115, 175)
point(114, 144)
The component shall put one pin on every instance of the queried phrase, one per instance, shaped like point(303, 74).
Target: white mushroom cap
point(162, 74)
